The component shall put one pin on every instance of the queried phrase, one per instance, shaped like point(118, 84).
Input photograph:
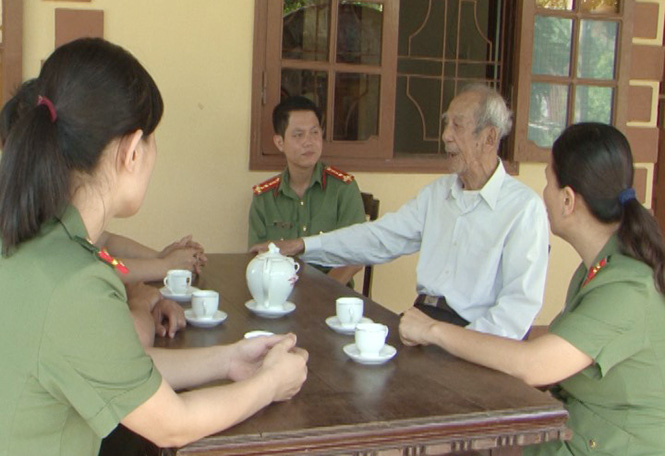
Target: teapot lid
point(272, 252)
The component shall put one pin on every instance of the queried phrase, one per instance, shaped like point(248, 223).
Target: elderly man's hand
point(415, 328)
point(291, 247)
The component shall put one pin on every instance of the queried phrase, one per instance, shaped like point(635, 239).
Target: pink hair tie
point(49, 104)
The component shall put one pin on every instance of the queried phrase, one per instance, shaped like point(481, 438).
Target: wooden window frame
point(263, 155)
point(378, 146)
point(526, 150)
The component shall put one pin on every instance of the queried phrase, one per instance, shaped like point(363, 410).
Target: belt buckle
point(431, 300)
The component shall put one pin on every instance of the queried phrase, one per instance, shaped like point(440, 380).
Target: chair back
point(372, 212)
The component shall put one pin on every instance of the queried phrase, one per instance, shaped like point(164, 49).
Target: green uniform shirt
point(616, 405)
point(72, 363)
point(328, 203)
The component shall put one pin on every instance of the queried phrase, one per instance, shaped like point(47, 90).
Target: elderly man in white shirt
point(482, 235)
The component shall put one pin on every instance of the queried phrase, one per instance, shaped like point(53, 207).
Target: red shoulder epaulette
point(102, 254)
point(339, 174)
point(270, 184)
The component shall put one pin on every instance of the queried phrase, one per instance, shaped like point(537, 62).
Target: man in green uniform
point(308, 197)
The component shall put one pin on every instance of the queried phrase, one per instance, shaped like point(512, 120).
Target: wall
point(199, 52)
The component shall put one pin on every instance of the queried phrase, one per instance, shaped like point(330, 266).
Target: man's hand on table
point(169, 318)
point(290, 247)
point(415, 328)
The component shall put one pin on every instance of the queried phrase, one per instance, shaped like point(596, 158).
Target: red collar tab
point(594, 270)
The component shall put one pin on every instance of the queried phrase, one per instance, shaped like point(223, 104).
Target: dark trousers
point(438, 309)
point(123, 442)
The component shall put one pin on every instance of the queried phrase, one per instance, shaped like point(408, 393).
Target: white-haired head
point(492, 109)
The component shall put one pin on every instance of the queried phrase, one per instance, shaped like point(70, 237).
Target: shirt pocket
point(592, 434)
point(280, 229)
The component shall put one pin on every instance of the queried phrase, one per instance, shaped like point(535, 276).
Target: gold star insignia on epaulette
point(263, 187)
point(339, 174)
point(102, 254)
point(594, 270)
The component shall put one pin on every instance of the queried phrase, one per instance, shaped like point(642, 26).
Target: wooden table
point(422, 402)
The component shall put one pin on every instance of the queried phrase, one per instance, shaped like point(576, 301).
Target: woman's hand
point(169, 318)
point(286, 366)
point(184, 254)
point(142, 297)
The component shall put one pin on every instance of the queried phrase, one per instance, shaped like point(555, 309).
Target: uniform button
point(302, 203)
point(304, 228)
point(592, 444)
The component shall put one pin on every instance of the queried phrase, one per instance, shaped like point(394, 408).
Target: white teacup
point(349, 311)
point(370, 338)
point(205, 303)
point(178, 280)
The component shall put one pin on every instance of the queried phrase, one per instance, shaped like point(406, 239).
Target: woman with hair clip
point(143, 263)
point(73, 367)
point(605, 353)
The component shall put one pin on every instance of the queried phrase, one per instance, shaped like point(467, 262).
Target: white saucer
point(185, 297)
point(334, 324)
point(386, 353)
point(257, 333)
point(216, 319)
point(267, 312)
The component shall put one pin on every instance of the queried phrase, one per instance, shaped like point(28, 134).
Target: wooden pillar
point(12, 46)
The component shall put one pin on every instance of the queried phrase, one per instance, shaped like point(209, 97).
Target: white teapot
point(270, 277)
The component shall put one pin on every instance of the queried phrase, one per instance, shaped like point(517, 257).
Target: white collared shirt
point(486, 251)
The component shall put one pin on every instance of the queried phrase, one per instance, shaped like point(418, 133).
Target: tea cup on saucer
point(349, 311)
point(205, 303)
point(178, 281)
point(370, 338)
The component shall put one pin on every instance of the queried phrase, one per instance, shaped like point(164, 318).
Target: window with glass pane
point(305, 30)
point(552, 45)
point(382, 71)
point(593, 104)
point(588, 6)
point(574, 66)
point(548, 112)
point(359, 33)
point(310, 28)
point(597, 49)
point(443, 46)
point(356, 106)
point(555, 4)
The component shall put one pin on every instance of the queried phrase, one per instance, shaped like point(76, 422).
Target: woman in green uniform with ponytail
point(73, 367)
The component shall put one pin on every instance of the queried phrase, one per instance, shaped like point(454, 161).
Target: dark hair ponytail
point(99, 92)
point(595, 161)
